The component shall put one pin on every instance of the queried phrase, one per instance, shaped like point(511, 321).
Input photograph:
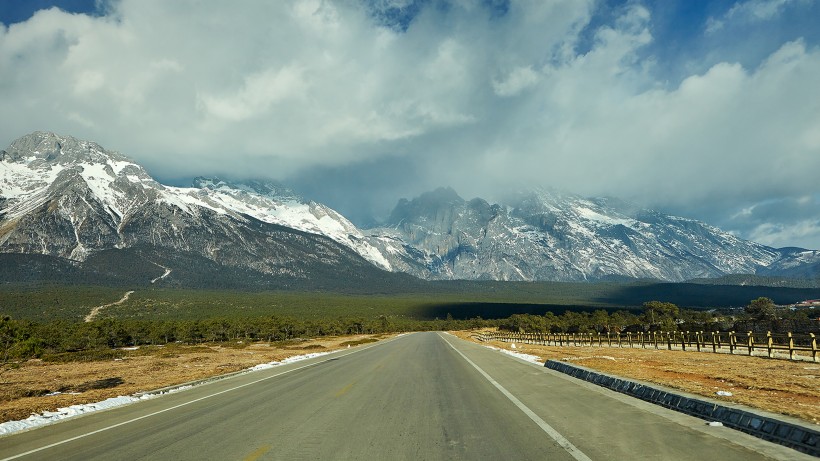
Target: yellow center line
point(258, 453)
point(344, 390)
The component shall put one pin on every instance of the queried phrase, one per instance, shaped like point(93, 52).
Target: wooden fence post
point(715, 344)
point(813, 347)
point(732, 342)
point(791, 346)
point(751, 343)
point(769, 344)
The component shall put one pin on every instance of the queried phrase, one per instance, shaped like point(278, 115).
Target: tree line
point(21, 340)
point(760, 314)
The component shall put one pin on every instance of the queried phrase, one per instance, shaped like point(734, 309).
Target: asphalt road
point(423, 396)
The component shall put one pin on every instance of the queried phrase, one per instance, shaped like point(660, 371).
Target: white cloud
point(759, 10)
point(750, 12)
point(259, 92)
point(516, 81)
point(804, 234)
point(478, 102)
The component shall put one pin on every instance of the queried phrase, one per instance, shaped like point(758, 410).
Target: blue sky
point(706, 109)
point(13, 11)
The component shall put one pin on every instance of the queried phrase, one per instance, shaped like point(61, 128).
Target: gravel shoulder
point(774, 385)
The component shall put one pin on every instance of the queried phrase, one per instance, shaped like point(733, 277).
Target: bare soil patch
point(24, 390)
point(774, 385)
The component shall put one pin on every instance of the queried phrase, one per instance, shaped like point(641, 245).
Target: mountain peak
point(426, 206)
point(53, 148)
point(443, 195)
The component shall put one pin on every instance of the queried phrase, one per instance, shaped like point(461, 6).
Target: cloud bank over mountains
point(371, 101)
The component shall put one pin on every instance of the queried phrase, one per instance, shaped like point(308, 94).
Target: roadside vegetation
point(760, 315)
point(157, 339)
point(71, 340)
point(38, 386)
point(423, 301)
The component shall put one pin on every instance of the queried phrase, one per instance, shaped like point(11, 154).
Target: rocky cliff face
point(548, 235)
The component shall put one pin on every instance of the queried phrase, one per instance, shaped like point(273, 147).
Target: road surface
point(422, 396)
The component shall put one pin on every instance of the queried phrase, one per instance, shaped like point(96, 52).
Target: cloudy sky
point(705, 109)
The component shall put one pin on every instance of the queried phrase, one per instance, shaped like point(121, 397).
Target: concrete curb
point(790, 434)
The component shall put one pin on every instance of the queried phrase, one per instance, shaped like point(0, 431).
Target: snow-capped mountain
point(548, 235)
point(275, 204)
point(68, 198)
point(796, 262)
point(72, 199)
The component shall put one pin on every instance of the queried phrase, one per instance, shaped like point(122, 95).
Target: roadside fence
point(798, 347)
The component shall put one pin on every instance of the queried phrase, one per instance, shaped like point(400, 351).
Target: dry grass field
point(774, 385)
point(23, 390)
point(778, 386)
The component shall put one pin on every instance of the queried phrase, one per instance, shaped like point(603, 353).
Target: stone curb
point(792, 435)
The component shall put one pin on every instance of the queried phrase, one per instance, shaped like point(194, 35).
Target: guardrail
point(773, 346)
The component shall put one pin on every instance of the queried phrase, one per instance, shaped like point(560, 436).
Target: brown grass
point(774, 385)
point(22, 390)
point(778, 386)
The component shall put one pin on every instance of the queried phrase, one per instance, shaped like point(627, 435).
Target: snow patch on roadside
point(520, 355)
point(295, 358)
point(49, 417)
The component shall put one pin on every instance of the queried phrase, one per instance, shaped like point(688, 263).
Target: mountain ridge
point(71, 199)
point(547, 234)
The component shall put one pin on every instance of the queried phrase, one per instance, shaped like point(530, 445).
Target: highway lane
point(419, 396)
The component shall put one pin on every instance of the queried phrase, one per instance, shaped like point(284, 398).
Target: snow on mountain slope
point(547, 235)
point(89, 188)
point(268, 203)
point(64, 197)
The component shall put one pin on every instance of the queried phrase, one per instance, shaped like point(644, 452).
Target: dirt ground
point(22, 390)
point(778, 386)
point(774, 385)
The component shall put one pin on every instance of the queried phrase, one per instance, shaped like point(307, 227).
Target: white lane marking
point(555, 435)
point(189, 402)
